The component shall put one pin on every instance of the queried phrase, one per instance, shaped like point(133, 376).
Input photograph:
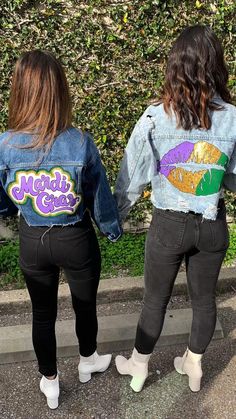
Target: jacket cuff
point(114, 238)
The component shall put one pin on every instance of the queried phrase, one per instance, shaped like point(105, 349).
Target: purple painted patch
point(51, 192)
point(179, 154)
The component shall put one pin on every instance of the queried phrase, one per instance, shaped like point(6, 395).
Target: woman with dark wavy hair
point(183, 146)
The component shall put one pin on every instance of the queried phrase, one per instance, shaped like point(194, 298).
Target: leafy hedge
point(114, 53)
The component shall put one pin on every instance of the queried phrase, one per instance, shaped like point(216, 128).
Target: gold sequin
point(205, 153)
point(184, 180)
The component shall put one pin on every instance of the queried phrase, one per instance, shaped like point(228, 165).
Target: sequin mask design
point(202, 182)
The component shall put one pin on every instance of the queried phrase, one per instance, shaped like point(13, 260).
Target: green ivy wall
point(114, 53)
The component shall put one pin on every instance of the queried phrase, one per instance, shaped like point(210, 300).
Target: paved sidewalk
point(108, 395)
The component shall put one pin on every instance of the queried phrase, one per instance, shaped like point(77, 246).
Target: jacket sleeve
point(7, 208)
point(230, 176)
point(98, 196)
point(137, 166)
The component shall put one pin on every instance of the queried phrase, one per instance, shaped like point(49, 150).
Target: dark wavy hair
point(195, 73)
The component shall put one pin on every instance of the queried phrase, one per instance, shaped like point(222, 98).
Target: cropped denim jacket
point(186, 168)
point(58, 188)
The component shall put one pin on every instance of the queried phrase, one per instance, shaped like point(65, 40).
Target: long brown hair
point(195, 73)
point(39, 100)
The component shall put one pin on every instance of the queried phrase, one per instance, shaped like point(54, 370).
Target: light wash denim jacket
point(186, 168)
point(59, 189)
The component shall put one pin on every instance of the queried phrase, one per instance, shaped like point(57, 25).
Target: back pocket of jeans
point(170, 230)
point(28, 252)
point(219, 234)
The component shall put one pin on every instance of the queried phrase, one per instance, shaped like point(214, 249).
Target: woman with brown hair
point(53, 173)
point(183, 146)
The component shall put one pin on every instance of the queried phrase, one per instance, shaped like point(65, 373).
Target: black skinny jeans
point(43, 251)
point(172, 236)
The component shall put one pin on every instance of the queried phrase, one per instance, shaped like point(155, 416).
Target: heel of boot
point(194, 384)
point(137, 383)
point(52, 403)
point(84, 377)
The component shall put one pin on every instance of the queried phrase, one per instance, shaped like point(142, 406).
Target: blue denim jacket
point(186, 168)
point(57, 189)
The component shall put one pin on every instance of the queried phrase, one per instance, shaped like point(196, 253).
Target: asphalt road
point(108, 395)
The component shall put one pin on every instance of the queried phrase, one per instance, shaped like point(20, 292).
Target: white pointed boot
point(50, 388)
point(136, 366)
point(190, 364)
point(94, 363)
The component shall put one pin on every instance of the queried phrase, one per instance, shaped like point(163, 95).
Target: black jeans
point(172, 236)
point(43, 251)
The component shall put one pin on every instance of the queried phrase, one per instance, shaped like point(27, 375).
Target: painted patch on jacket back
point(201, 182)
point(51, 192)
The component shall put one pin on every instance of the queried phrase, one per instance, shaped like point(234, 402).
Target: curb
point(116, 333)
point(110, 290)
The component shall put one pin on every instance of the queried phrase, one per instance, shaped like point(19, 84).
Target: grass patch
point(10, 273)
point(123, 258)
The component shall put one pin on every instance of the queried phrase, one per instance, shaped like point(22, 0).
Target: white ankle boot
point(93, 363)
point(190, 364)
point(50, 388)
point(136, 366)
